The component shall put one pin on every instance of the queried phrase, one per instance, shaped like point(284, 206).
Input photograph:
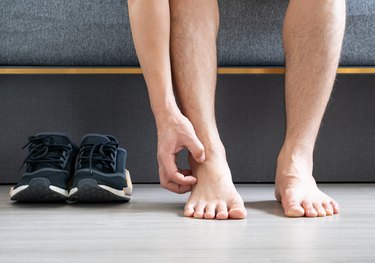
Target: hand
point(175, 132)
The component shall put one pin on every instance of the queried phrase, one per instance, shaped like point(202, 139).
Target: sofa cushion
point(97, 33)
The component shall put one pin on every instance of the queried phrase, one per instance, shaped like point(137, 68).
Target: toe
point(292, 208)
point(309, 209)
point(209, 212)
point(319, 209)
point(295, 211)
point(336, 207)
point(199, 210)
point(222, 211)
point(189, 210)
point(237, 211)
point(328, 208)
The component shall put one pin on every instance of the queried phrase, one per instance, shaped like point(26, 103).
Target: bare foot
point(214, 195)
point(296, 188)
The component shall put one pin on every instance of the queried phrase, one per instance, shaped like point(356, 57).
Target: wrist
point(166, 114)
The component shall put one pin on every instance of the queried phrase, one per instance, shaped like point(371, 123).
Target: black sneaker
point(49, 164)
point(100, 173)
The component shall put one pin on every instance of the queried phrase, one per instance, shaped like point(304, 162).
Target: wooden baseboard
point(137, 70)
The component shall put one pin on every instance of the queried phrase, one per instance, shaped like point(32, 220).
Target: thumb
point(196, 149)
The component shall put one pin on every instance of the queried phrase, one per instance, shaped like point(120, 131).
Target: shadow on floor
point(136, 207)
point(157, 207)
point(271, 207)
point(60, 204)
point(33, 205)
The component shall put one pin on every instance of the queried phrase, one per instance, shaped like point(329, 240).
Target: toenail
point(294, 208)
point(198, 215)
point(311, 211)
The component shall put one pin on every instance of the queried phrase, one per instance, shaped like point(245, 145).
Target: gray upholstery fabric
point(65, 32)
point(97, 33)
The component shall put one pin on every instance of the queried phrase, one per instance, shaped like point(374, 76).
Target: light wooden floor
point(152, 229)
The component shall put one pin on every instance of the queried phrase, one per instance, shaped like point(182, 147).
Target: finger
point(196, 149)
point(179, 189)
point(181, 179)
point(169, 170)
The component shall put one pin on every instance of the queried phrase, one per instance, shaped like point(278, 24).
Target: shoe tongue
point(56, 138)
point(94, 139)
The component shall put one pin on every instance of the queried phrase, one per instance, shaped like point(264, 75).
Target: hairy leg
point(313, 34)
point(150, 24)
point(194, 26)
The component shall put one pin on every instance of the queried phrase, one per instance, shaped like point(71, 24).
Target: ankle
point(214, 151)
point(292, 155)
point(297, 151)
point(293, 158)
point(213, 147)
point(294, 164)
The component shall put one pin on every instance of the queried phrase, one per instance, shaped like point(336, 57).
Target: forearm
point(150, 24)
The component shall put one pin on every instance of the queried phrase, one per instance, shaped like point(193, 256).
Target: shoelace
point(42, 149)
point(100, 152)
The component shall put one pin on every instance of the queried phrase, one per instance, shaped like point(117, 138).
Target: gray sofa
point(64, 33)
point(97, 33)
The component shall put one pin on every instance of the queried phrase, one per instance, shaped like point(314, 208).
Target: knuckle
point(172, 178)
